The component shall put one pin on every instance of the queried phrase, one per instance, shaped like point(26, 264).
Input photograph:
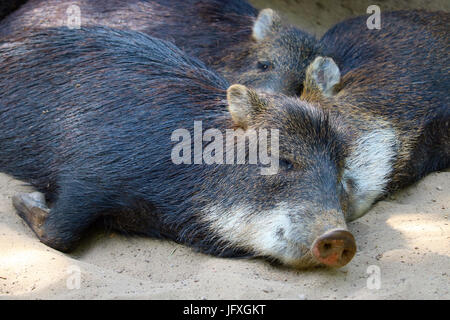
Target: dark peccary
point(87, 117)
point(228, 36)
point(385, 127)
point(394, 93)
point(8, 6)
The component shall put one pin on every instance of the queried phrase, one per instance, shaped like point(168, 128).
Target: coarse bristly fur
point(229, 36)
point(87, 117)
point(394, 95)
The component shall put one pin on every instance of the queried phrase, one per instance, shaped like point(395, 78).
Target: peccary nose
point(335, 248)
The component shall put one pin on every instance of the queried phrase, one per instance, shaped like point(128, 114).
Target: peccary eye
point(264, 65)
point(286, 164)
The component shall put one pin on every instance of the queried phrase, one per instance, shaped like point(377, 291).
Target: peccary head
point(296, 215)
point(278, 56)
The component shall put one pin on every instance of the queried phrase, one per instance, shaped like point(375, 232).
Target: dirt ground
point(317, 16)
point(403, 242)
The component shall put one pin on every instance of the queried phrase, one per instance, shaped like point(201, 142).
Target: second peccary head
point(296, 216)
point(275, 58)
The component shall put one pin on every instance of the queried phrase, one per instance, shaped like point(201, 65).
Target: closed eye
point(286, 164)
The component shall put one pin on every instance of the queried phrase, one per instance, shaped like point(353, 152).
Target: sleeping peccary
point(391, 86)
point(88, 117)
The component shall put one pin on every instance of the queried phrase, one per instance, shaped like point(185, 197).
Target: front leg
point(60, 227)
point(32, 208)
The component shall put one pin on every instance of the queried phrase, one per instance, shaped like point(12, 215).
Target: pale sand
point(407, 239)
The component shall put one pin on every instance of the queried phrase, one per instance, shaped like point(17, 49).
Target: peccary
point(392, 85)
point(88, 116)
point(229, 36)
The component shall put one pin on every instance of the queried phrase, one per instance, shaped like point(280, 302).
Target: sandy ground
point(403, 242)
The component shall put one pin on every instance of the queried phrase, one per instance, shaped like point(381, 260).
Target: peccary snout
point(334, 248)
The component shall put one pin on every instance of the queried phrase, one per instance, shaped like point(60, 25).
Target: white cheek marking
point(369, 166)
point(257, 232)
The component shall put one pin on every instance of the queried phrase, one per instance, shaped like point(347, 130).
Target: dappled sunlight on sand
point(27, 266)
point(27, 271)
point(421, 230)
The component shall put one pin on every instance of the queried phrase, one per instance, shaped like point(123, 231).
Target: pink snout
point(335, 248)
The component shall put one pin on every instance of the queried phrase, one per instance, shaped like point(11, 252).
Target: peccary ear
point(323, 75)
point(264, 24)
point(243, 103)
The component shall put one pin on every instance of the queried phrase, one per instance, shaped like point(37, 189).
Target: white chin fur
point(369, 167)
point(282, 233)
point(259, 232)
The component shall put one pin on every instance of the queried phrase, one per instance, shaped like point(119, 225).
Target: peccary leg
point(322, 77)
point(33, 209)
point(60, 227)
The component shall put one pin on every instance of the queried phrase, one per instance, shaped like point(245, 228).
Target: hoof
point(32, 208)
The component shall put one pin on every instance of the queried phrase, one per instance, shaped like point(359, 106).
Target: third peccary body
point(394, 94)
point(229, 36)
